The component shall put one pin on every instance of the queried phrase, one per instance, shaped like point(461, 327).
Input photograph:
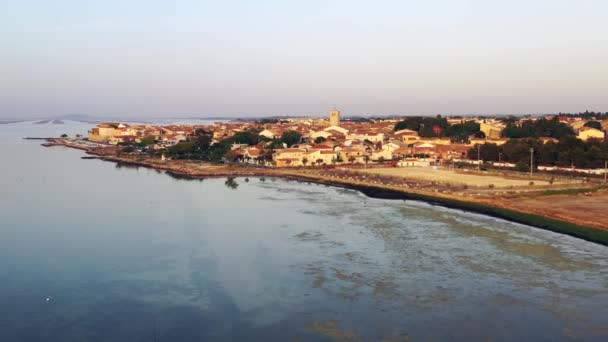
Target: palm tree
point(304, 161)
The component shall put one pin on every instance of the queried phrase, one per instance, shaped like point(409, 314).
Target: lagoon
point(95, 252)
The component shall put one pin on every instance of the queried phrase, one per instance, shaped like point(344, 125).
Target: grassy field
point(579, 223)
point(450, 176)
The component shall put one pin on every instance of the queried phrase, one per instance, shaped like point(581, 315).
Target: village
point(309, 142)
point(532, 170)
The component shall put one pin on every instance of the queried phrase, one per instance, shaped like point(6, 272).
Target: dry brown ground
point(453, 177)
point(589, 210)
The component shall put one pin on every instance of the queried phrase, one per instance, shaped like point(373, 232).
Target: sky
point(150, 58)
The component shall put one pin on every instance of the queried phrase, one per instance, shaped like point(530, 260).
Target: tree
point(539, 128)
point(181, 150)
point(246, 137)
point(149, 140)
point(64, 135)
point(319, 161)
point(568, 151)
point(366, 159)
point(230, 156)
point(487, 151)
point(479, 135)
point(594, 124)
point(425, 126)
point(291, 138)
point(381, 159)
point(202, 140)
point(128, 149)
point(461, 132)
point(275, 144)
point(268, 121)
point(352, 159)
point(320, 140)
point(304, 161)
point(522, 166)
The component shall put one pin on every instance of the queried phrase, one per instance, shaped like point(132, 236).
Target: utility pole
point(479, 157)
point(531, 160)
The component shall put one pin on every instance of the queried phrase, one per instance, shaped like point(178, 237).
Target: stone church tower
point(334, 118)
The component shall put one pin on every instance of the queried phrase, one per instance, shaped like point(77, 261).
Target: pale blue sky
point(155, 58)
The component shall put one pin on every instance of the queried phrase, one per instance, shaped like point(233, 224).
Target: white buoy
point(48, 299)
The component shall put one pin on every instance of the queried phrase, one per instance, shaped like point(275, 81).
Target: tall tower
point(334, 118)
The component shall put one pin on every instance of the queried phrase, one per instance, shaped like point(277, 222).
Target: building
point(319, 134)
point(321, 157)
point(289, 157)
point(269, 134)
point(105, 132)
point(409, 162)
point(353, 154)
point(407, 135)
point(334, 118)
point(383, 154)
point(491, 130)
point(586, 133)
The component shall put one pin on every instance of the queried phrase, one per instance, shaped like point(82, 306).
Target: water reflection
point(120, 165)
point(231, 183)
point(136, 256)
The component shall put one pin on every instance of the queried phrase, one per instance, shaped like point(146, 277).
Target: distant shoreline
point(190, 170)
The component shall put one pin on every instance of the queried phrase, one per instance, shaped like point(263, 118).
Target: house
point(368, 135)
point(319, 134)
point(353, 154)
point(124, 139)
point(498, 142)
point(409, 162)
point(578, 124)
point(289, 157)
point(424, 148)
point(321, 157)
point(338, 129)
point(251, 154)
point(382, 154)
point(269, 134)
point(545, 140)
point(105, 131)
point(407, 135)
point(586, 133)
point(491, 129)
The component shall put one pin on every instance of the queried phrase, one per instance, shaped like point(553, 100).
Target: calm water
point(126, 254)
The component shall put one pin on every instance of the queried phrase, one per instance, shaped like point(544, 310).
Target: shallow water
point(130, 254)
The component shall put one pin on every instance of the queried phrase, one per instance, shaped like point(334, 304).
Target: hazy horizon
point(141, 59)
